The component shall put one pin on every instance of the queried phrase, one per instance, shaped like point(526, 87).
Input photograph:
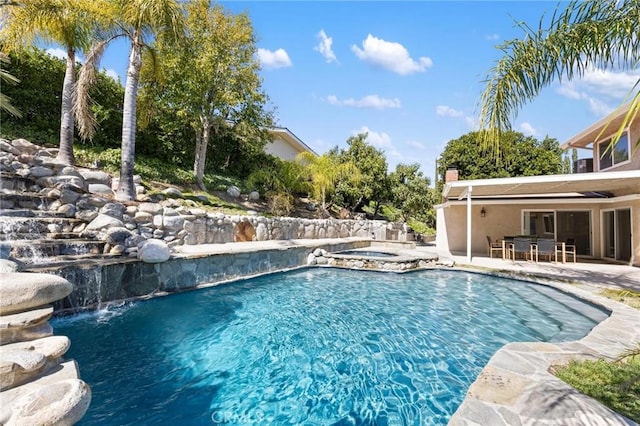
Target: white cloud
point(379, 140)
point(599, 108)
point(493, 36)
point(390, 55)
point(57, 53)
point(416, 144)
point(609, 83)
point(602, 90)
point(568, 91)
point(369, 101)
point(324, 47)
point(527, 129)
point(112, 73)
point(275, 59)
point(446, 111)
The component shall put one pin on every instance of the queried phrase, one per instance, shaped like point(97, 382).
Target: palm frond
point(85, 120)
point(583, 35)
point(5, 101)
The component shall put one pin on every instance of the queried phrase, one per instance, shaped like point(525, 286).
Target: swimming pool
point(313, 346)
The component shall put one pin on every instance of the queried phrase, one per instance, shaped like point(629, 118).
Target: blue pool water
point(313, 346)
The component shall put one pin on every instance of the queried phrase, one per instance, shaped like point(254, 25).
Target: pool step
point(548, 300)
point(582, 307)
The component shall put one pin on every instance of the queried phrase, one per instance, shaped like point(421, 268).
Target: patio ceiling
point(624, 182)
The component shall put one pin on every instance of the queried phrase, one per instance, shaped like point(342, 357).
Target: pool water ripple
point(313, 347)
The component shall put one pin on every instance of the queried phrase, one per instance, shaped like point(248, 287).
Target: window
point(547, 220)
point(617, 155)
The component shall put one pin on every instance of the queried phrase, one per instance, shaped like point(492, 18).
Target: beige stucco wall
point(506, 220)
point(281, 149)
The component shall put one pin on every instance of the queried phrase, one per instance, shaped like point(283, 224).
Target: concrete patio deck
point(582, 273)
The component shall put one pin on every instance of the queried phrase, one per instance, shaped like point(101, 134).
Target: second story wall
point(603, 160)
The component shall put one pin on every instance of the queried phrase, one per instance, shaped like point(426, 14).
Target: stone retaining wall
point(108, 281)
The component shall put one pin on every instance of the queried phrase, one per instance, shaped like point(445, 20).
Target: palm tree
point(583, 35)
point(5, 101)
point(67, 22)
point(139, 21)
point(325, 171)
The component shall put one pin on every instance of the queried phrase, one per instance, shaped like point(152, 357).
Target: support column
point(469, 188)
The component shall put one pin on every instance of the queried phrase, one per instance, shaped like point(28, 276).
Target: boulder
point(115, 210)
point(21, 291)
point(174, 223)
point(96, 177)
point(70, 171)
point(117, 235)
point(154, 251)
point(172, 192)
point(7, 147)
point(60, 403)
point(39, 171)
point(68, 196)
point(8, 266)
point(104, 221)
point(100, 189)
point(254, 196)
point(152, 208)
point(67, 210)
point(25, 146)
point(25, 319)
point(63, 181)
point(233, 191)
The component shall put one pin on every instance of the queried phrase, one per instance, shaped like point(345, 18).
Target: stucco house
point(285, 144)
point(597, 207)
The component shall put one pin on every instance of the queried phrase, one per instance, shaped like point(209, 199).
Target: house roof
point(288, 136)
point(580, 184)
point(611, 123)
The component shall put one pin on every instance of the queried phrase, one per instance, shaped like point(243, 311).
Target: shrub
point(280, 203)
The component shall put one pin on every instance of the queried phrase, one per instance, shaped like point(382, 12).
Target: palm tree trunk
point(126, 190)
point(65, 153)
point(202, 142)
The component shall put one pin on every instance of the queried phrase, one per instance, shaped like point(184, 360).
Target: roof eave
point(611, 122)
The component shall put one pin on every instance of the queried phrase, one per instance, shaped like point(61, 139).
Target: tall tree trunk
point(65, 154)
point(126, 190)
point(202, 142)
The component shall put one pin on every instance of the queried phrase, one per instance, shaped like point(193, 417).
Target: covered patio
point(599, 211)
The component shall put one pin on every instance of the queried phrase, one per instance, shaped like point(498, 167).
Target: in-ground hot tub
point(380, 256)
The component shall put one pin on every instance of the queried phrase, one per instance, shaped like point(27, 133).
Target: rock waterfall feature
point(37, 385)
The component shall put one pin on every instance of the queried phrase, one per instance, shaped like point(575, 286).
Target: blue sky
point(407, 73)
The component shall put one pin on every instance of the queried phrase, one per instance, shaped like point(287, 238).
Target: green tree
point(7, 78)
point(211, 79)
point(584, 34)
point(520, 156)
point(325, 172)
point(67, 22)
point(372, 166)
point(410, 191)
point(38, 98)
point(138, 21)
